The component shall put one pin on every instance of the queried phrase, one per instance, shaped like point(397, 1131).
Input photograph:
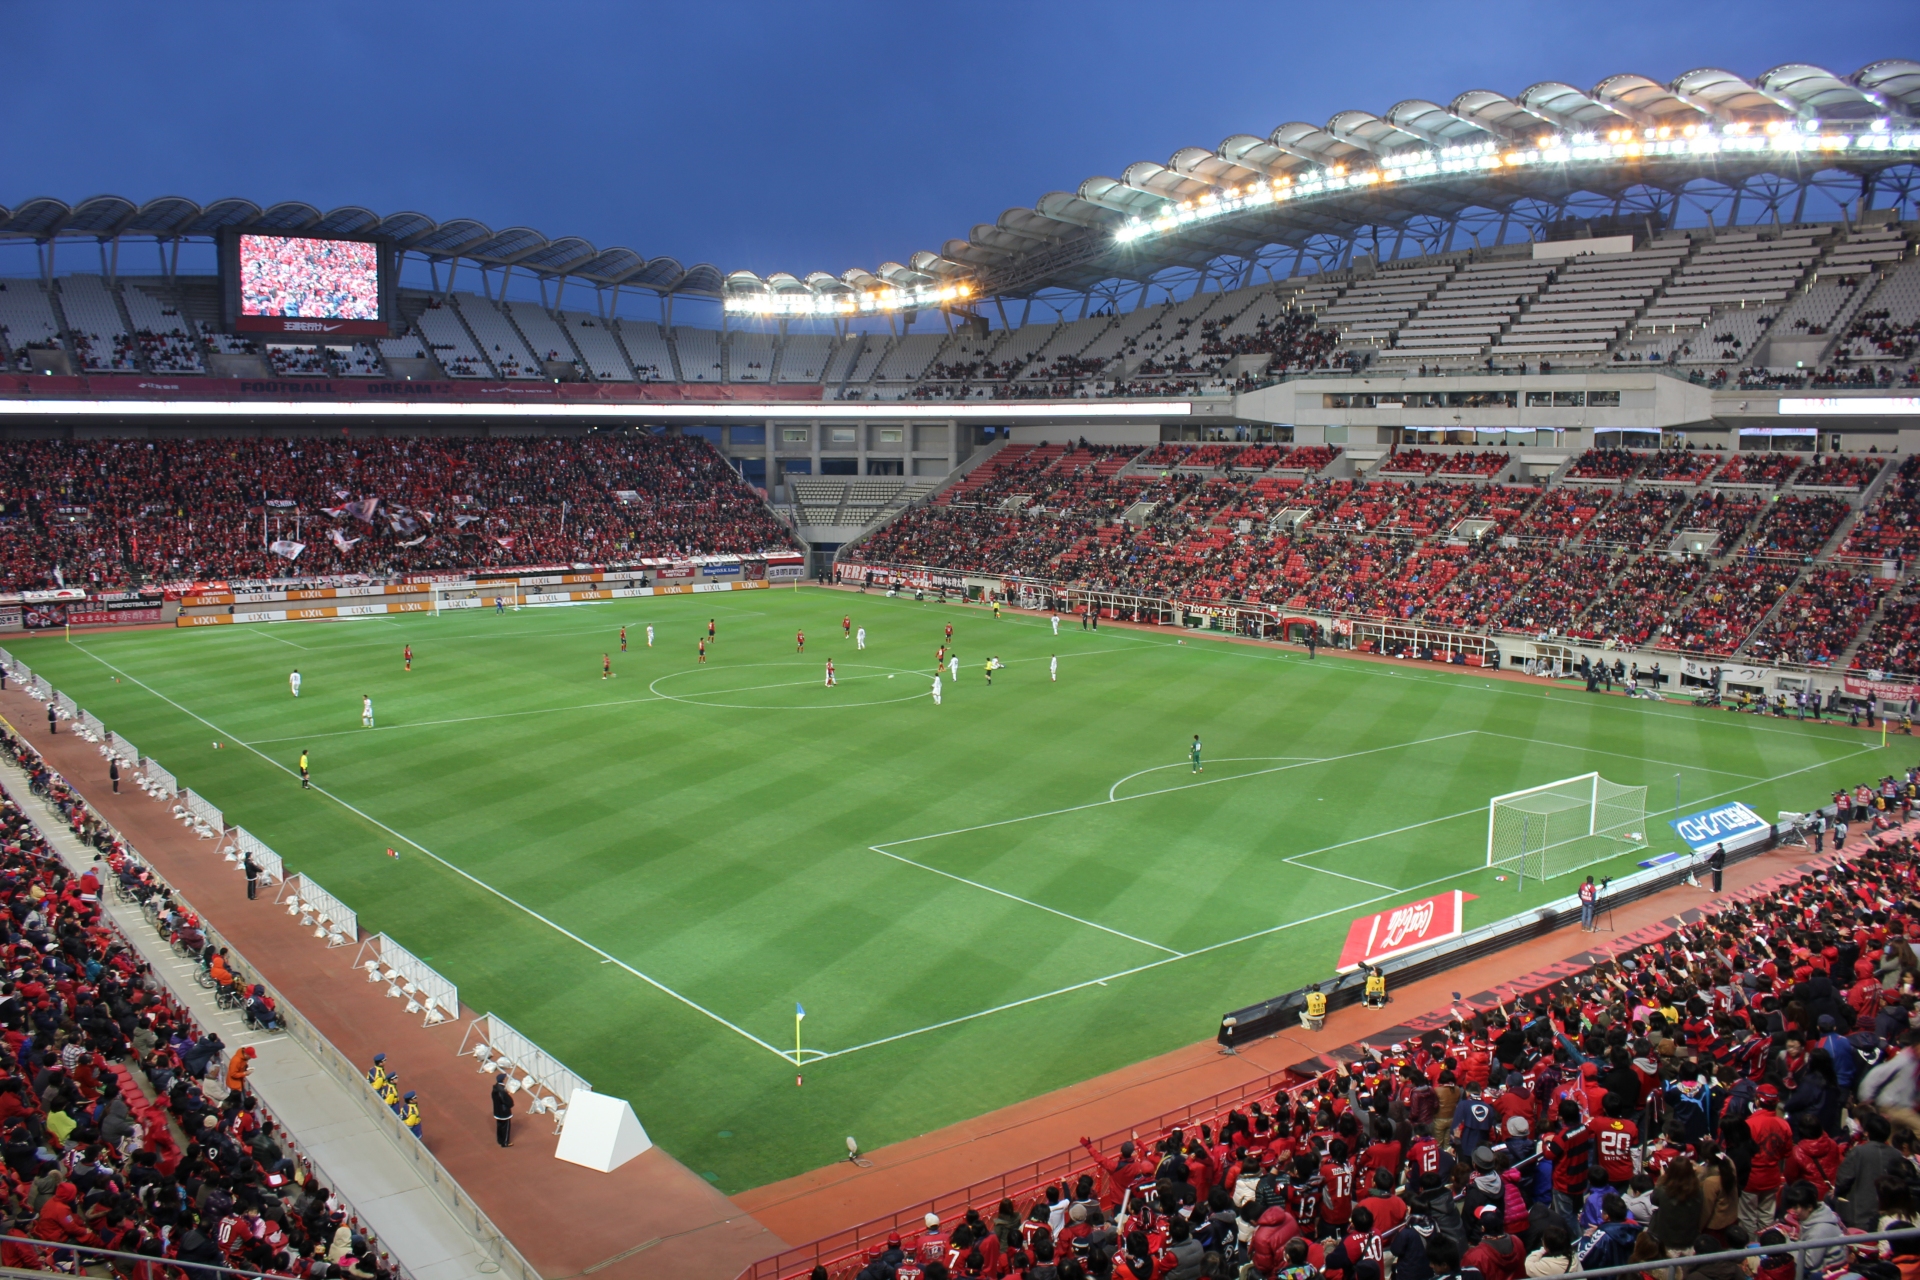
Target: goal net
point(1549, 830)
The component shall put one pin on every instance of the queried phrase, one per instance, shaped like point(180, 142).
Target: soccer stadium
point(1340, 705)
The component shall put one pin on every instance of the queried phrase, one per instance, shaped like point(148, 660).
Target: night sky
point(776, 136)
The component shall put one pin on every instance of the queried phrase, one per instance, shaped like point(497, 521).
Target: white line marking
point(1142, 795)
point(1014, 897)
point(1230, 942)
point(1624, 755)
point(1224, 760)
point(464, 874)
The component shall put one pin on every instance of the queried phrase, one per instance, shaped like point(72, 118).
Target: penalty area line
point(1104, 979)
point(560, 929)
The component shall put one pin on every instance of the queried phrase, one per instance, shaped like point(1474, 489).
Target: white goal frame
point(1592, 784)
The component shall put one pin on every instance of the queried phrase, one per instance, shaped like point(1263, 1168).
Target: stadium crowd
point(123, 1124)
point(1200, 524)
point(110, 513)
point(1747, 1080)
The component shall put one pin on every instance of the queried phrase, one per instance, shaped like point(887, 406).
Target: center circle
point(805, 690)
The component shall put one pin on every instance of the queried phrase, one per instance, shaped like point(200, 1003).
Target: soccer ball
point(889, 677)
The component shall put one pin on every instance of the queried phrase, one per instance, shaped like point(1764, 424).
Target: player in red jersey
point(830, 683)
point(949, 636)
point(846, 626)
point(703, 651)
point(409, 657)
point(800, 642)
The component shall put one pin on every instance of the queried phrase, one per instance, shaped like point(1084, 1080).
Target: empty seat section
point(593, 339)
point(99, 334)
point(451, 345)
point(499, 341)
point(647, 349)
point(166, 337)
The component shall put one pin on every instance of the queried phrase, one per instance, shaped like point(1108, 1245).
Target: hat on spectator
point(1517, 1126)
point(1483, 1157)
point(1768, 1093)
point(933, 1220)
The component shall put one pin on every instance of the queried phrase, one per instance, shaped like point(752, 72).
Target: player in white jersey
point(1056, 623)
point(936, 691)
point(860, 638)
point(293, 682)
point(1053, 664)
point(953, 665)
point(366, 710)
point(830, 680)
point(649, 635)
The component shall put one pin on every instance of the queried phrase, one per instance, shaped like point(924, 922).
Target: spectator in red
point(1772, 1143)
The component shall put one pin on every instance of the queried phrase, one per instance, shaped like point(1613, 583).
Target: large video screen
point(298, 284)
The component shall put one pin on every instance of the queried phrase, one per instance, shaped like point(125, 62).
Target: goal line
point(1558, 827)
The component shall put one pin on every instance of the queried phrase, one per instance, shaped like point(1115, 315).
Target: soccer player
point(306, 779)
point(366, 710)
point(709, 628)
point(940, 659)
point(623, 639)
point(408, 656)
point(606, 666)
point(996, 609)
point(860, 640)
point(293, 682)
point(499, 604)
point(1194, 752)
point(953, 666)
point(830, 679)
point(703, 650)
point(1056, 622)
point(1053, 664)
point(846, 626)
point(949, 633)
point(989, 672)
point(936, 691)
point(649, 635)
point(800, 642)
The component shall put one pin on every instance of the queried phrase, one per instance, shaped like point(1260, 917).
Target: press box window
point(840, 435)
point(793, 435)
point(891, 435)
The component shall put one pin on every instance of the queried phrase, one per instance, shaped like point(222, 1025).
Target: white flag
point(283, 547)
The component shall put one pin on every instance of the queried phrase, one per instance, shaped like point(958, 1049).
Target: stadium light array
point(1577, 149)
point(862, 303)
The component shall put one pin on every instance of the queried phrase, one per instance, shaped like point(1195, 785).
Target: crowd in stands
point(1890, 526)
point(108, 513)
point(1747, 1079)
point(1797, 526)
point(1815, 624)
point(123, 1124)
point(1686, 466)
point(1727, 607)
point(1590, 563)
point(1773, 469)
point(1604, 464)
point(1893, 642)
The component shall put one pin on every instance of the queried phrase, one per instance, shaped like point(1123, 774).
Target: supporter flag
point(284, 547)
point(461, 522)
point(416, 542)
point(341, 540)
point(362, 510)
point(401, 522)
point(506, 542)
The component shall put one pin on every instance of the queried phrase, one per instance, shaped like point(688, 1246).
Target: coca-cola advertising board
point(1408, 927)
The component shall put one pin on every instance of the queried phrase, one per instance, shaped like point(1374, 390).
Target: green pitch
point(976, 902)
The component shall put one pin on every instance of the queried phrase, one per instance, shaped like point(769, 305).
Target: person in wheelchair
point(259, 1009)
point(222, 974)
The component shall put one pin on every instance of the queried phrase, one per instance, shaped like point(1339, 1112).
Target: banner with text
point(1398, 930)
point(1733, 825)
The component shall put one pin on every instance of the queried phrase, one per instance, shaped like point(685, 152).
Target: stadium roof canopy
point(1422, 172)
